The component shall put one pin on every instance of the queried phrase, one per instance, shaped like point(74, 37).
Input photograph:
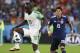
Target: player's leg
point(35, 43)
point(35, 36)
point(62, 46)
point(54, 45)
point(17, 33)
point(35, 48)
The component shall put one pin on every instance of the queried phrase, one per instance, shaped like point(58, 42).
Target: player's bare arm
point(49, 32)
point(21, 24)
point(70, 24)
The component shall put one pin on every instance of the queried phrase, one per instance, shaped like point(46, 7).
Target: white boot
point(15, 47)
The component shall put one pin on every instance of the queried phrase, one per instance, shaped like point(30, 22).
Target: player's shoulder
point(36, 12)
point(64, 16)
point(52, 17)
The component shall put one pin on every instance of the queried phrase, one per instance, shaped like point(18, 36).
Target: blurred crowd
point(12, 11)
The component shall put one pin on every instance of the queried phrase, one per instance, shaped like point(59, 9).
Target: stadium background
point(11, 12)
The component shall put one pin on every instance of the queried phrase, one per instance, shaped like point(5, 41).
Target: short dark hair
point(28, 5)
point(58, 8)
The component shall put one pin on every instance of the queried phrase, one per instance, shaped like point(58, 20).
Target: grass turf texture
point(44, 48)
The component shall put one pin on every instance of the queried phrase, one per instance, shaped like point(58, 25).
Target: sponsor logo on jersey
point(62, 21)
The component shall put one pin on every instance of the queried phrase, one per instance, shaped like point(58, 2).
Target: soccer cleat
point(14, 49)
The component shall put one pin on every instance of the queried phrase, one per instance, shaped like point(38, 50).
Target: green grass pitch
point(44, 48)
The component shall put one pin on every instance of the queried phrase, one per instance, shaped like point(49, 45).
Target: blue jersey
point(59, 26)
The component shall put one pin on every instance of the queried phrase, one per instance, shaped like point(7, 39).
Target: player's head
point(28, 7)
point(58, 12)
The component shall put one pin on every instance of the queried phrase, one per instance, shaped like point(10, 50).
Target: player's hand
point(49, 33)
point(72, 32)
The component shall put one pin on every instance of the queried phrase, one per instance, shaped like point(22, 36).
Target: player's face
point(58, 13)
point(28, 9)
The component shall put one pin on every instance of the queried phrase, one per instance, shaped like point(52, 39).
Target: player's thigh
point(26, 32)
point(55, 43)
point(62, 44)
point(35, 38)
point(19, 30)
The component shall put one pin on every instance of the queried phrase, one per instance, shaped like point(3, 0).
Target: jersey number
point(58, 25)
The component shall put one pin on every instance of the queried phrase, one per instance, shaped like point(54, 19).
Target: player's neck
point(59, 17)
point(29, 12)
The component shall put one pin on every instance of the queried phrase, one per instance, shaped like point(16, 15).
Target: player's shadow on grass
point(15, 51)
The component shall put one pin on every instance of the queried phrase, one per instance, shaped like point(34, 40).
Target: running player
point(58, 36)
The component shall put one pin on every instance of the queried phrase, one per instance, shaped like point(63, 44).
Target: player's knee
point(53, 49)
point(62, 48)
point(35, 46)
point(17, 37)
point(62, 45)
point(16, 29)
point(20, 31)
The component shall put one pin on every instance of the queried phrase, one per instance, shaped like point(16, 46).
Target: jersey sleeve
point(39, 15)
point(51, 21)
point(65, 19)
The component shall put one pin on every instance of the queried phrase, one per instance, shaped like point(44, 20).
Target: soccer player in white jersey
point(32, 17)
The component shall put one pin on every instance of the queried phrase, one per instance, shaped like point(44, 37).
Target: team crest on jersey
point(62, 21)
point(54, 20)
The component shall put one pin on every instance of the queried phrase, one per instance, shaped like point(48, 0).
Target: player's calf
point(62, 46)
point(63, 50)
point(35, 48)
point(17, 41)
point(53, 49)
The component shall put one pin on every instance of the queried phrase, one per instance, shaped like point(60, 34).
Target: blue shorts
point(57, 39)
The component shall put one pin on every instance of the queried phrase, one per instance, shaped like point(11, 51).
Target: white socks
point(17, 45)
point(17, 39)
point(37, 51)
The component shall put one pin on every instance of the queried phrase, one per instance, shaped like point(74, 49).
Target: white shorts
point(33, 34)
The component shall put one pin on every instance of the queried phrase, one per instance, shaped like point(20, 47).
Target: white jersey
point(34, 26)
point(35, 23)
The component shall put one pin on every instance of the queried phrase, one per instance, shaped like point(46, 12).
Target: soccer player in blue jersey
point(58, 36)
